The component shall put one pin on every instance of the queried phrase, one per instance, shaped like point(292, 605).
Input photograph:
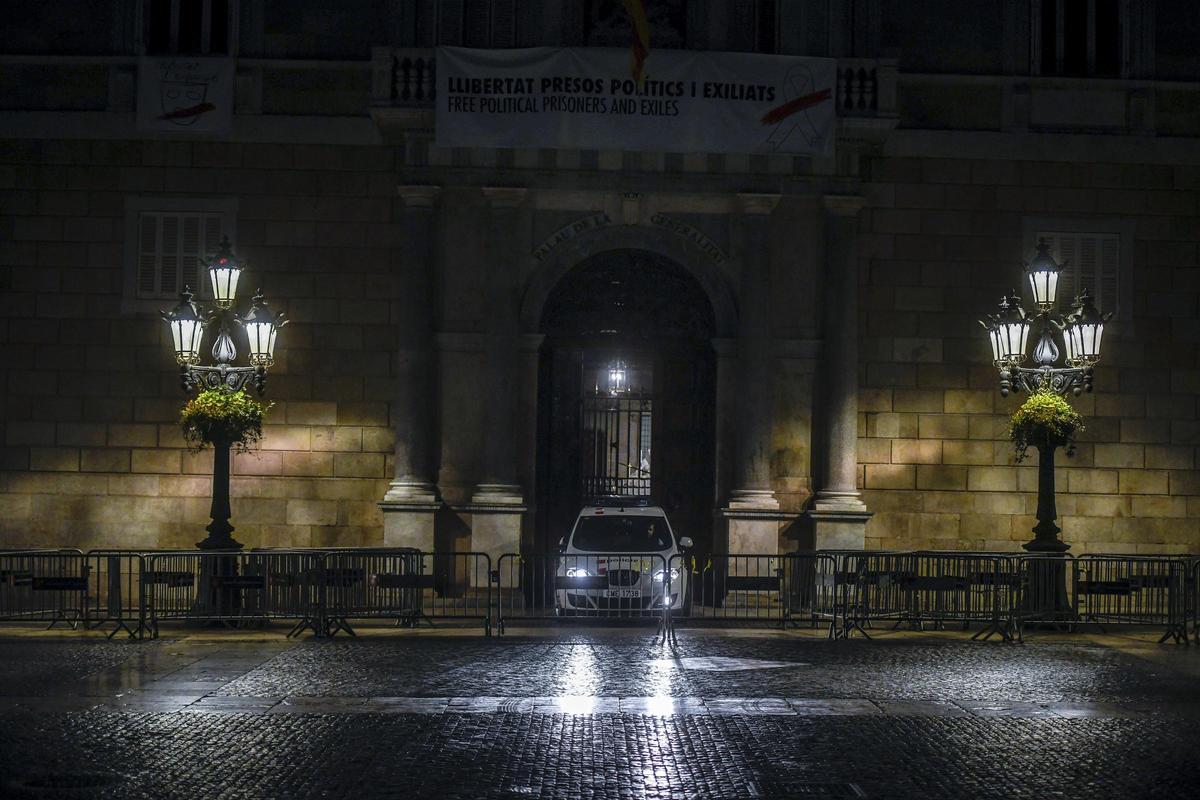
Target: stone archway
point(569, 254)
point(651, 314)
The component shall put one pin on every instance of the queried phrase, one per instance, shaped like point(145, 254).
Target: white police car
point(618, 560)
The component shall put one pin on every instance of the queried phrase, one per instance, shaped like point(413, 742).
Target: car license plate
point(623, 593)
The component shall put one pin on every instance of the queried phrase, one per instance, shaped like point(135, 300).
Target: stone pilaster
point(752, 468)
point(497, 506)
point(838, 513)
point(753, 518)
point(498, 484)
point(411, 499)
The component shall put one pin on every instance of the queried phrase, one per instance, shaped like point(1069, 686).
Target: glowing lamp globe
point(1043, 273)
point(187, 329)
point(262, 326)
point(224, 270)
point(1083, 331)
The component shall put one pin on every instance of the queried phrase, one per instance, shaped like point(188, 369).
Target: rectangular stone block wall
point(91, 450)
point(942, 241)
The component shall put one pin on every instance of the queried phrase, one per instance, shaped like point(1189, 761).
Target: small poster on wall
point(185, 95)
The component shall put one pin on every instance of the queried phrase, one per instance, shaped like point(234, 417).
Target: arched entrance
point(626, 401)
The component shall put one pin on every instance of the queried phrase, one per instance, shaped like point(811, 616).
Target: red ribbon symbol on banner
point(194, 111)
point(798, 104)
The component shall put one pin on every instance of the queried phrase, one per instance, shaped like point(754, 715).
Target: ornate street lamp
point(188, 322)
point(1008, 334)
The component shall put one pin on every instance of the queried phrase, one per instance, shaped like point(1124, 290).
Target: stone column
point(752, 468)
point(838, 513)
point(753, 511)
point(498, 504)
point(411, 499)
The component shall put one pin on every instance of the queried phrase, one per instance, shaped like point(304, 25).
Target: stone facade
point(406, 395)
point(93, 453)
point(944, 239)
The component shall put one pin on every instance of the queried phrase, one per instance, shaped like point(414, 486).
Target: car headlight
point(660, 574)
point(578, 572)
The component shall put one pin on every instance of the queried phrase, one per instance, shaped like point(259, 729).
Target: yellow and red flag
point(641, 37)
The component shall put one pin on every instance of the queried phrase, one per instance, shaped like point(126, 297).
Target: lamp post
point(1081, 331)
point(187, 322)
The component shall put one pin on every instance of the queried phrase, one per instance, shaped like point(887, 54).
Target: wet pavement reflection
point(596, 714)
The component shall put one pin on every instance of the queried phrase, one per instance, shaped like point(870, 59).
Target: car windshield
point(622, 534)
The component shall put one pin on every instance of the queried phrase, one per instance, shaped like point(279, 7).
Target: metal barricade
point(600, 586)
point(115, 593)
point(43, 586)
point(867, 586)
point(1045, 591)
point(961, 587)
point(231, 587)
point(748, 589)
point(1194, 593)
point(1134, 590)
point(404, 584)
point(919, 588)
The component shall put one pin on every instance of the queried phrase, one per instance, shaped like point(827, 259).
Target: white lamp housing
point(1043, 273)
point(1084, 331)
point(187, 329)
point(994, 338)
point(262, 327)
point(224, 270)
point(1012, 327)
point(616, 378)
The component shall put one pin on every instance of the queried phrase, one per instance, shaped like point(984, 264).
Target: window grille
point(1078, 37)
point(192, 27)
point(1093, 263)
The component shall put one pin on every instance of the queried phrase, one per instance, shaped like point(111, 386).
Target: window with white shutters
point(171, 251)
point(1092, 262)
point(167, 240)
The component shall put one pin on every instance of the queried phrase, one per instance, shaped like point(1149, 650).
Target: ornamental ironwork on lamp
point(1081, 331)
point(188, 321)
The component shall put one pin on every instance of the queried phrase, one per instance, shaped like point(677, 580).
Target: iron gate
point(615, 436)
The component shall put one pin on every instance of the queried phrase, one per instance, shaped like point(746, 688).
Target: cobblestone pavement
point(597, 715)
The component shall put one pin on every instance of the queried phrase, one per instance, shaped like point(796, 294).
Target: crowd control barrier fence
point(1133, 590)
point(43, 586)
point(747, 589)
point(325, 590)
point(1194, 593)
point(609, 586)
point(917, 589)
point(115, 595)
point(409, 586)
point(232, 587)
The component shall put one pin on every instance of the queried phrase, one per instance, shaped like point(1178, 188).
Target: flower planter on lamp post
point(216, 422)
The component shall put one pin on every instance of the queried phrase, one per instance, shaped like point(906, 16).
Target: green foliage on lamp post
point(223, 417)
point(1044, 421)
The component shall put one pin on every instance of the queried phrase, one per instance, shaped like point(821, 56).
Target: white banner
point(690, 101)
point(189, 95)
